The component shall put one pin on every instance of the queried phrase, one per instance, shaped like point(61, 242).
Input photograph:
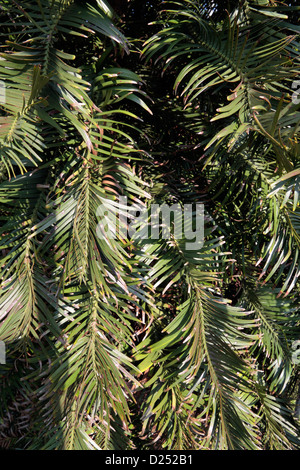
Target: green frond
point(124, 330)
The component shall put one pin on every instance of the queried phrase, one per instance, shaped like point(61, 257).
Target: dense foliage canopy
point(131, 343)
